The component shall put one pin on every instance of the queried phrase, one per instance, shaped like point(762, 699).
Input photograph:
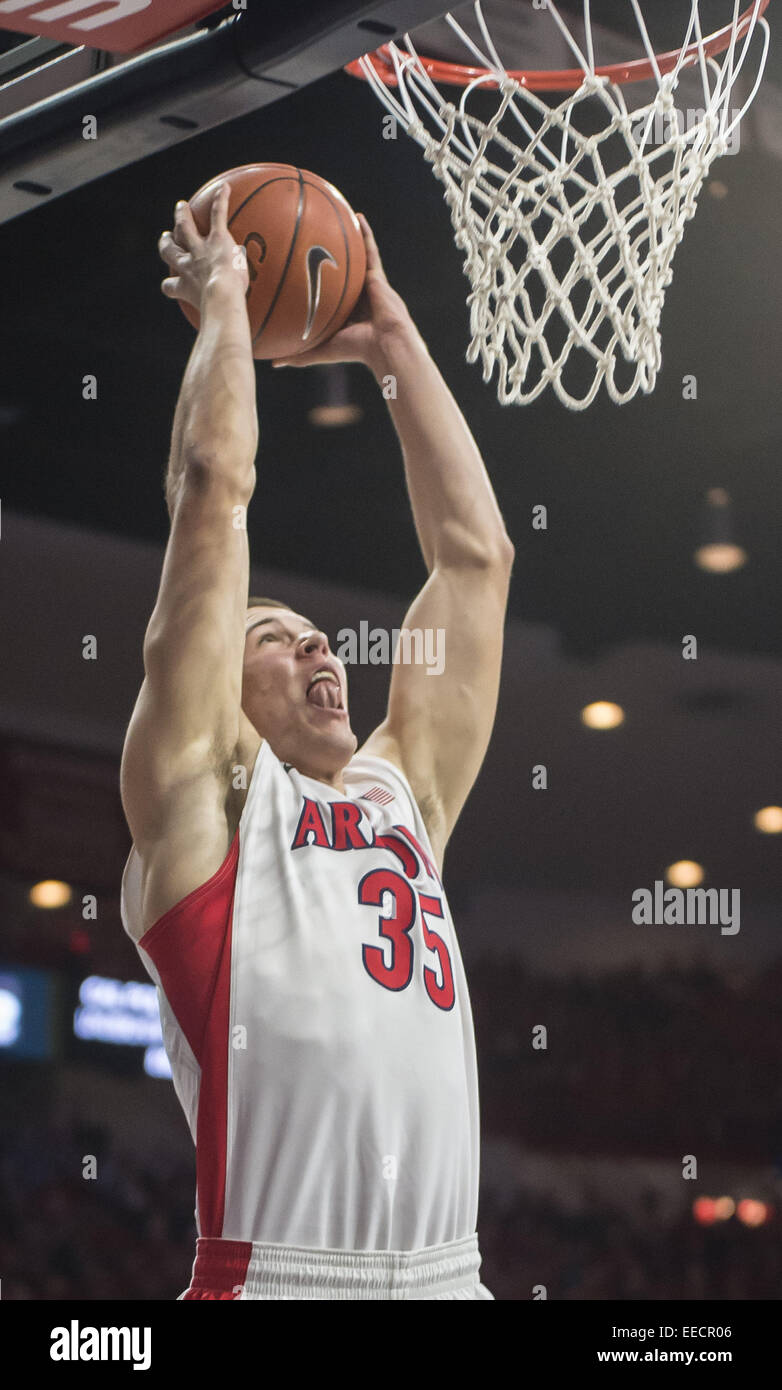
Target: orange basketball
point(305, 254)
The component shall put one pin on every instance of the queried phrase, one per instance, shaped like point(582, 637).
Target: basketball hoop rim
point(566, 79)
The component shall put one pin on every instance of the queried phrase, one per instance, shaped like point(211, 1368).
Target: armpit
point(433, 817)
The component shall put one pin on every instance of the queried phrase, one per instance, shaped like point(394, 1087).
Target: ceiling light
point(50, 892)
point(685, 873)
point(751, 1212)
point(703, 1211)
point(718, 553)
point(333, 405)
point(602, 715)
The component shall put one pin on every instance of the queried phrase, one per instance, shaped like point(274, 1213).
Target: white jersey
point(316, 1017)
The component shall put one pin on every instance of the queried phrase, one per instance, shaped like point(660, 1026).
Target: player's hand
point(379, 314)
point(196, 261)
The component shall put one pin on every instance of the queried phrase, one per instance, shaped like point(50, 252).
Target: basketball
point(305, 254)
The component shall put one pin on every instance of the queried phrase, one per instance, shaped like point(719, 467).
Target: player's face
point(294, 690)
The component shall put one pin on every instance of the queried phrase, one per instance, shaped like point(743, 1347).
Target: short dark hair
point(267, 603)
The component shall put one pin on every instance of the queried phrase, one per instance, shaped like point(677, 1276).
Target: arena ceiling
point(623, 485)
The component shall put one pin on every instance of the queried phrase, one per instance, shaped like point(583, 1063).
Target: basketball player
point(285, 889)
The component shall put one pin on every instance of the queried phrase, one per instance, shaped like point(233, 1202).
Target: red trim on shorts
point(220, 1269)
point(190, 946)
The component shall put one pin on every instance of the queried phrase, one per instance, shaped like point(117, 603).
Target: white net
point(569, 212)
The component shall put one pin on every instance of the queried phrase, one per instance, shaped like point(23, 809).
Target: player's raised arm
point(186, 725)
point(437, 727)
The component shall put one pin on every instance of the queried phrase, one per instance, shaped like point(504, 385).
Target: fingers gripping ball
point(305, 254)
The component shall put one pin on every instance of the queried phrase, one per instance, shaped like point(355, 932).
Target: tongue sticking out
point(325, 694)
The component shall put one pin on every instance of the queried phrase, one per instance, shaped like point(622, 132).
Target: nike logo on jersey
point(315, 258)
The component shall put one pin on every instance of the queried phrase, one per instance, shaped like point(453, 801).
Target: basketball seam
point(289, 257)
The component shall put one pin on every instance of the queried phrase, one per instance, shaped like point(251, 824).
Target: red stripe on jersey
point(190, 946)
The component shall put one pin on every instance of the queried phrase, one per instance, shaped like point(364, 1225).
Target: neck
point(331, 779)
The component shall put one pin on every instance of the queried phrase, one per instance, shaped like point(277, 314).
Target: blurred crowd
point(677, 1062)
point(128, 1233)
point(603, 1252)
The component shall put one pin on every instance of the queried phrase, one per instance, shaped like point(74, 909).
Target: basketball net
point(569, 214)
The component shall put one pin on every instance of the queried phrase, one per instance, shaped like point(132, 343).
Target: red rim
point(567, 79)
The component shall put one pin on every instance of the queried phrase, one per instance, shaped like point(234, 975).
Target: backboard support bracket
point(157, 99)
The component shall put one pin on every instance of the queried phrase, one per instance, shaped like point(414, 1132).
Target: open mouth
point(324, 692)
